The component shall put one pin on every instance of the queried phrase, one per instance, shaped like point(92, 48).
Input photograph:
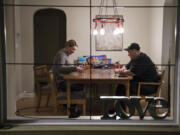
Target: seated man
point(142, 69)
point(64, 65)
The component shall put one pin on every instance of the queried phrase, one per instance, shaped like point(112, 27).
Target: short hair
point(71, 43)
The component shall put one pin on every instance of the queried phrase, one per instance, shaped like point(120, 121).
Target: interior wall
point(10, 58)
point(76, 29)
point(137, 29)
point(18, 51)
point(87, 2)
point(168, 42)
point(156, 28)
point(54, 2)
point(169, 49)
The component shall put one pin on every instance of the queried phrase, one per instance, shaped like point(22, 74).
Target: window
point(151, 24)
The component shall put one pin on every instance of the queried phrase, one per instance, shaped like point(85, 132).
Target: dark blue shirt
point(143, 68)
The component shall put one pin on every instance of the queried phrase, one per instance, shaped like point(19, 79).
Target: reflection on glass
point(39, 32)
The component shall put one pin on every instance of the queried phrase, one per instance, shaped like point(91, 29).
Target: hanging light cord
point(106, 7)
point(115, 8)
point(101, 7)
point(106, 10)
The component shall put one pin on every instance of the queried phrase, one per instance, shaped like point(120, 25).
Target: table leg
point(68, 92)
point(127, 88)
point(127, 93)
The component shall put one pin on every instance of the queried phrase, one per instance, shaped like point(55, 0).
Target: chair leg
point(55, 109)
point(84, 109)
point(55, 106)
point(48, 97)
point(38, 103)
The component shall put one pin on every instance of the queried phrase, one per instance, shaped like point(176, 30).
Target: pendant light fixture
point(102, 19)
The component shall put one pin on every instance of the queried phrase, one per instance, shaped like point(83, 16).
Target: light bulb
point(95, 31)
point(121, 30)
point(102, 31)
point(117, 30)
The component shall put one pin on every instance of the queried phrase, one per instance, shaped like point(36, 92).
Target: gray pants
point(74, 87)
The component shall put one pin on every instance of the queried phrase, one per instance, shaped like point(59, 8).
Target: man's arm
point(62, 66)
point(126, 72)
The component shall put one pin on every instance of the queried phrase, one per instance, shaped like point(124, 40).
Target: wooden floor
point(27, 107)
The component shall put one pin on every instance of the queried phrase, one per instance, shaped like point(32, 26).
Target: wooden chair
point(41, 84)
point(158, 84)
point(60, 97)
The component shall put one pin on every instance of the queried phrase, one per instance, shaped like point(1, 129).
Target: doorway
point(49, 35)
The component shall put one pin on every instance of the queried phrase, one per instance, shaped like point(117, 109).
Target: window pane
point(34, 36)
point(154, 30)
point(37, 30)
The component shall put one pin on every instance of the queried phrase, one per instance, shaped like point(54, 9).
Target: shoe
point(74, 112)
point(64, 106)
point(112, 111)
point(74, 115)
point(107, 117)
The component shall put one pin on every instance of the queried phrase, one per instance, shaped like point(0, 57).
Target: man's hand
point(126, 72)
point(122, 72)
point(80, 68)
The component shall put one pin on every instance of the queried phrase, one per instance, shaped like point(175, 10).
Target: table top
point(95, 74)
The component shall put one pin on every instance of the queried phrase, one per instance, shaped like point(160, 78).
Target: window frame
point(3, 99)
point(3, 93)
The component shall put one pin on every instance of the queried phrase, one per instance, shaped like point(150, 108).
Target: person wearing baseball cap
point(142, 68)
point(133, 46)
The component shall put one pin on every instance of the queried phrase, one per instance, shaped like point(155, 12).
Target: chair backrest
point(52, 83)
point(161, 73)
point(41, 75)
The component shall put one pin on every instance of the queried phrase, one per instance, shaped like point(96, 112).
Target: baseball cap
point(133, 46)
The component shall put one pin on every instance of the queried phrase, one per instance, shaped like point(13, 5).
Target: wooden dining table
point(95, 76)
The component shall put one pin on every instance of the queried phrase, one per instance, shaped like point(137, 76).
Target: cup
point(120, 66)
point(116, 71)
